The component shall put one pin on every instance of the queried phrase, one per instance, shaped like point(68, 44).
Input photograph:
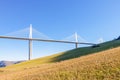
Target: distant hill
point(8, 63)
point(118, 38)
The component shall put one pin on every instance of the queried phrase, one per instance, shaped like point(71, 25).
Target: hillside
point(67, 55)
point(103, 65)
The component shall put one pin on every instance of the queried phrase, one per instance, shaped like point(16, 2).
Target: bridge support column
point(76, 45)
point(30, 49)
point(30, 43)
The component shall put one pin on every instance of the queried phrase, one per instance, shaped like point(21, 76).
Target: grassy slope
point(104, 65)
point(67, 55)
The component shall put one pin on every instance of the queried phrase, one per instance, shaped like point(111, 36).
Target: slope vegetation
point(68, 55)
point(104, 65)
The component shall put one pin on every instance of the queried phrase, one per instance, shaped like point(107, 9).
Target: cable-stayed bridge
point(28, 33)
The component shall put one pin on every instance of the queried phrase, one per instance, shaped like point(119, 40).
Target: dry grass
point(104, 65)
point(65, 55)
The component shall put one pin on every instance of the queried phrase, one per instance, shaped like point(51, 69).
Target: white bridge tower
point(30, 43)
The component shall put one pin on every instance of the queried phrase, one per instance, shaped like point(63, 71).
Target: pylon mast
point(30, 43)
point(76, 39)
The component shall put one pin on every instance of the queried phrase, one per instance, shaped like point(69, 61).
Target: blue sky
point(91, 19)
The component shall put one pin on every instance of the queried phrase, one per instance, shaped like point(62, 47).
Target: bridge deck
point(44, 40)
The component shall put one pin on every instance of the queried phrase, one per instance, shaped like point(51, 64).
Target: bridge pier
point(30, 43)
point(30, 50)
point(76, 45)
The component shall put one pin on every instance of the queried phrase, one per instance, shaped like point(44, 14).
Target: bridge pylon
point(76, 40)
point(30, 43)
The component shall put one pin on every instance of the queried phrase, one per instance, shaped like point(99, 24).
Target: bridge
point(30, 39)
